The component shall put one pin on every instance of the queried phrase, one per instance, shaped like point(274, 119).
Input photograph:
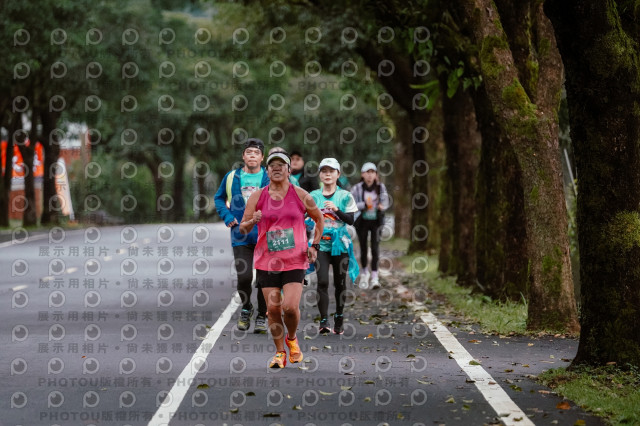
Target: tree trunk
point(436, 159)
point(5, 196)
point(51, 149)
point(462, 141)
point(531, 129)
point(445, 205)
point(27, 149)
point(399, 87)
point(501, 236)
point(420, 199)
point(599, 45)
point(177, 212)
point(401, 197)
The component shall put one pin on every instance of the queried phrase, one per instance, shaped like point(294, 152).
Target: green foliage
point(608, 391)
point(107, 184)
point(493, 316)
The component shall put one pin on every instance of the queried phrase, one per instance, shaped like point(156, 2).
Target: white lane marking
point(32, 238)
point(507, 410)
point(166, 412)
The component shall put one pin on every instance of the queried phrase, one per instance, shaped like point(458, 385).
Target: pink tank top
point(282, 235)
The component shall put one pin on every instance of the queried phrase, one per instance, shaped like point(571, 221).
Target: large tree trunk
point(501, 236)
point(531, 129)
point(599, 44)
point(462, 141)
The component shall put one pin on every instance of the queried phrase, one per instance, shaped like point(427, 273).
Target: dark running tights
point(340, 266)
point(368, 227)
point(243, 259)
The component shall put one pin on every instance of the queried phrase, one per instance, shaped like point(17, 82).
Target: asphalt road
point(135, 325)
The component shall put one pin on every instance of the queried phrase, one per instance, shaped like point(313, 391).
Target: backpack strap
point(229, 185)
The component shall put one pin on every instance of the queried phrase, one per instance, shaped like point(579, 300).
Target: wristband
point(316, 246)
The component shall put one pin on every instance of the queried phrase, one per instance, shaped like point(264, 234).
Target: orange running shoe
point(295, 355)
point(279, 360)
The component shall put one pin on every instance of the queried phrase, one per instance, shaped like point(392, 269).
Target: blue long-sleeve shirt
point(236, 207)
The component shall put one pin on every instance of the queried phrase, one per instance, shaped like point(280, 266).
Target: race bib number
point(280, 239)
point(370, 214)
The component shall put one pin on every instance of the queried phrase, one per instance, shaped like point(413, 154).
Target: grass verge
point(607, 392)
point(491, 315)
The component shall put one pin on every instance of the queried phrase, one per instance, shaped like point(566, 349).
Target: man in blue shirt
point(231, 200)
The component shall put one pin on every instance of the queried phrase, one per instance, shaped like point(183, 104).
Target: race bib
point(370, 214)
point(280, 239)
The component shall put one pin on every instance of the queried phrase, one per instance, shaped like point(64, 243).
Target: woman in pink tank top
point(282, 254)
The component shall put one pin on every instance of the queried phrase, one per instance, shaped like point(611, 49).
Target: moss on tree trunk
point(501, 238)
point(599, 44)
point(528, 121)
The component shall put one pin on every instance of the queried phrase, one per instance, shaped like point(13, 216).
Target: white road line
point(509, 413)
point(166, 412)
point(32, 238)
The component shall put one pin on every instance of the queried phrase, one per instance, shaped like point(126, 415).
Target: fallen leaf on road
point(475, 341)
point(369, 382)
point(474, 362)
point(422, 382)
point(345, 388)
point(367, 399)
point(297, 407)
point(326, 393)
point(530, 344)
point(271, 415)
point(508, 370)
point(250, 394)
point(544, 392)
point(203, 386)
point(234, 410)
point(451, 400)
point(579, 422)
point(564, 405)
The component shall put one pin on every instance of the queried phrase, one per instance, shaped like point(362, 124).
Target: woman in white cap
point(372, 200)
point(282, 254)
point(336, 248)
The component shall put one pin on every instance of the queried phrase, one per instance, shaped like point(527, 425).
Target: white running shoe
point(374, 282)
point(364, 280)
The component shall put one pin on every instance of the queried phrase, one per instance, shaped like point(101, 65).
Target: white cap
point(281, 155)
point(329, 162)
point(368, 166)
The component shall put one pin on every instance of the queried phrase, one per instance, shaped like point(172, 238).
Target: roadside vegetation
point(611, 392)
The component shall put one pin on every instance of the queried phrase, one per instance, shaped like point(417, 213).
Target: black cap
point(254, 143)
